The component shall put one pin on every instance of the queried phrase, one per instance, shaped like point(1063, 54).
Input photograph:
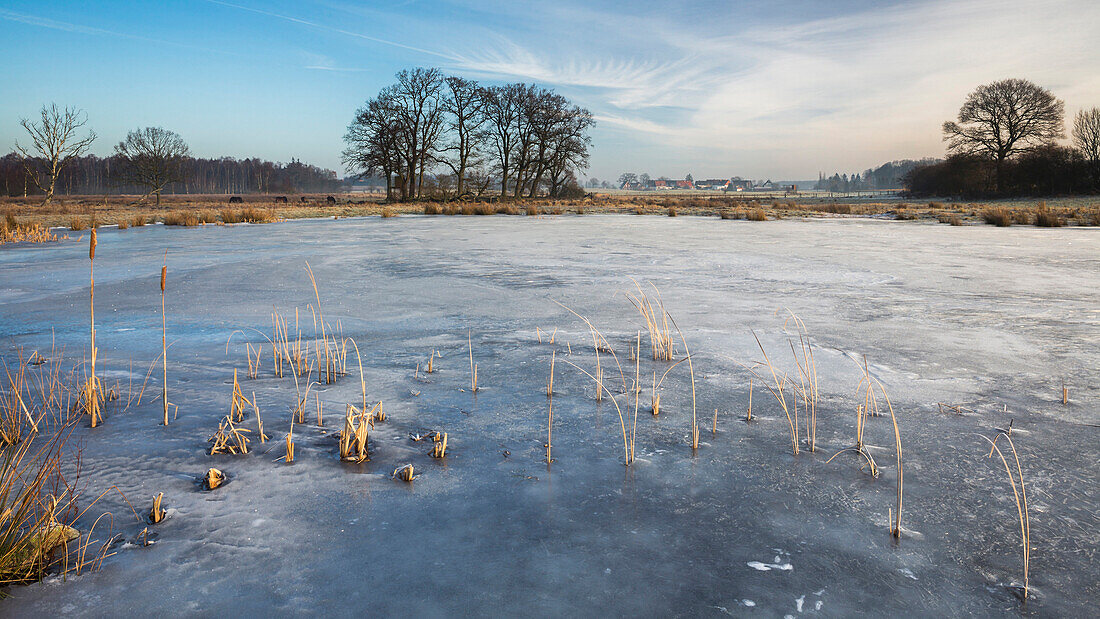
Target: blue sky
point(758, 89)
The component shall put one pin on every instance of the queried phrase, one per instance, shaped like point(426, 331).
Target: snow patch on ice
point(767, 567)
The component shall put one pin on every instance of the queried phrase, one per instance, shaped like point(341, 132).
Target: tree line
point(1005, 142)
point(889, 175)
point(148, 162)
point(443, 136)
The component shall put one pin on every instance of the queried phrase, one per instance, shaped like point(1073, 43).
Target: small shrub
point(672, 211)
point(1000, 217)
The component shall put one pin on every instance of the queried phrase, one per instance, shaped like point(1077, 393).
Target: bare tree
point(1086, 137)
point(465, 106)
point(1004, 118)
point(153, 157)
point(54, 142)
point(418, 114)
point(373, 141)
point(503, 109)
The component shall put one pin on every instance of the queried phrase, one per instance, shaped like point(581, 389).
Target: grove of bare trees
point(522, 139)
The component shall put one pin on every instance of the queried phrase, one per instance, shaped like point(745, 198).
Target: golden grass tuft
point(12, 231)
point(404, 473)
point(1000, 217)
point(388, 212)
point(757, 214)
point(433, 209)
point(157, 513)
point(213, 479)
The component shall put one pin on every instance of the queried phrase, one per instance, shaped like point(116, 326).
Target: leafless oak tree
point(152, 157)
point(1004, 118)
point(54, 142)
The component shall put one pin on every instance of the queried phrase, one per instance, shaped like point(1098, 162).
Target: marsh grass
point(439, 448)
point(13, 231)
point(93, 389)
point(404, 473)
point(164, 338)
point(213, 479)
point(656, 322)
point(1000, 217)
point(1019, 493)
point(757, 214)
point(353, 438)
point(229, 439)
point(157, 512)
point(1046, 218)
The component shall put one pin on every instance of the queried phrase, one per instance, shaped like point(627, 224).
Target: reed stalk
point(1020, 496)
point(164, 337)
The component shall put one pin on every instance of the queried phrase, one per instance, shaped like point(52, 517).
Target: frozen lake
point(986, 318)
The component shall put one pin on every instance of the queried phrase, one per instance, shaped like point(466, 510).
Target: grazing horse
point(235, 199)
point(330, 200)
point(280, 199)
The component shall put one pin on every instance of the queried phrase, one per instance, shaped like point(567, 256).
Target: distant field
point(80, 211)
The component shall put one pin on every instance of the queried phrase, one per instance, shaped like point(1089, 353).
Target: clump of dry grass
point(388, 212)
point(181, 218)
point(656, 321)
point(77, 224)
point(213, 479)
point(439, 449)
point(138, 221)
point(951, 219)
point(506, 209)
point(672, 211)
point(433, 209)
point(532, 210)
point(1000, 217)
point(123, 224)
point(1046, 218)
point(208, 216)
point(757, 214)
point(353, 438)
point(905, 214)
point(12, 231)
point(157, 512)
point(726, 214)
point(404, 473)
point(229, 439)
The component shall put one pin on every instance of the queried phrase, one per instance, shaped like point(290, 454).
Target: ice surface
point(990, 319)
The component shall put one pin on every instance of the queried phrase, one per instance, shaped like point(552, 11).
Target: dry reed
point(1020, 496)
